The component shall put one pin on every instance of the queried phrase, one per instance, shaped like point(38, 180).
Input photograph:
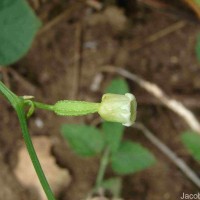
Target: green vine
point(103, 165)
point(18, 104)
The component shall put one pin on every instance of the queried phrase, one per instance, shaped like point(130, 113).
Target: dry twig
point(170, 154)
point(64, 15)
point(156, 91)
point(77, 58)
point(25, 83)
point(189, 102)
point(194, 5)
point(158, 35)
point(94, 4)
point(5, 77)
point(96, 82)
point(36, 4)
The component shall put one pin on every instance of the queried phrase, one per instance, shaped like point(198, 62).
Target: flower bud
point(118, 108)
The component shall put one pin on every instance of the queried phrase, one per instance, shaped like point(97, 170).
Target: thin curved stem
point(102, 169)
point(33, 155)
point(18, 105)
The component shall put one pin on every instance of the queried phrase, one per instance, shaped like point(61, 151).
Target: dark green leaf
point(131, 157)
point(114, 185)
point(197, 2)
point(112, 133)
point(192, 142)
point(84, 140)
point(118, 86)
point(18, 26)
point(198, 48)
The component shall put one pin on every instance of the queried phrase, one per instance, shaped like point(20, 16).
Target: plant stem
point(18, 105)
point(11, 97)
point(33, 155)
point(43, 106)
point(102, 169)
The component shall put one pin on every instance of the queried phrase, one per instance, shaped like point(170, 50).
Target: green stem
point(43, 106)
point(33, 155)
point(102, 169)
point(18, 104)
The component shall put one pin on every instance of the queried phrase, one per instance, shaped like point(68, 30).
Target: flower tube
point(118, 108)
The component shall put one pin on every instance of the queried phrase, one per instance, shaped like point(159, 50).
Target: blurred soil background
point(154, 39)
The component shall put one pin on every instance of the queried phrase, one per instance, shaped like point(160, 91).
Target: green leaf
point(18, 26)
point(117, 86)
point(192, 142)
point(84, 140)
point(130, 158)
point(112, 134)
point(198, 48)
point(197, 2)
point(114, 185)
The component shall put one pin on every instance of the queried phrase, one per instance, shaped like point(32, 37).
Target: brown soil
point(61, 65)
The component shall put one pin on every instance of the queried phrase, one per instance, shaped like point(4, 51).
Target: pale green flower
point(118, 108)
point(113, 107)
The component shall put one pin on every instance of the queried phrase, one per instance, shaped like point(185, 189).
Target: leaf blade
point(84, 140)
point(114, 185)
point(192, 142)
point(197, 48)
point(17, 30)
point(117, 86)
point(130, 158)
point(112, 133)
